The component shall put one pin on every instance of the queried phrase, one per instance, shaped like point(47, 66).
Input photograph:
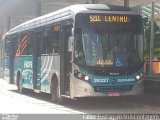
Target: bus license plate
point(113, 94)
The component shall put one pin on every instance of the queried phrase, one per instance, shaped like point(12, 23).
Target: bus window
point(25, 45)
point(7, 44)
point(56, 38)
point(46, 41)
point(79, 52)
point(51, 40)
point(38, 41)
point(15, 44)
point(10, 46)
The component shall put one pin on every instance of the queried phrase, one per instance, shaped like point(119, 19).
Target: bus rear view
point(108, 54)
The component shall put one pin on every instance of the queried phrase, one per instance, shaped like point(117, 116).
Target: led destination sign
point(109, 18)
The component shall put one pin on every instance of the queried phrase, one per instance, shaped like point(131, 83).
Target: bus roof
point(65, 13)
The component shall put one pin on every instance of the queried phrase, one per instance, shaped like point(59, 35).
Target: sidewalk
point(14, 103)
point(4, 85)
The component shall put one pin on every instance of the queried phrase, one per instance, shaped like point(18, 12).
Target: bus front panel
point(108, 54)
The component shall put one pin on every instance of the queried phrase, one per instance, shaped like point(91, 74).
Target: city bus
point(86, 50)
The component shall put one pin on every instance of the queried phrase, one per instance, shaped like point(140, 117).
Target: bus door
point(65, 60)
point(37, 60)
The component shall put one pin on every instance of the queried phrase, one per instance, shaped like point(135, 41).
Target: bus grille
point(108, 73)
point(113, 88)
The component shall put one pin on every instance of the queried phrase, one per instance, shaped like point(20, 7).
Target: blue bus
point(86, 50)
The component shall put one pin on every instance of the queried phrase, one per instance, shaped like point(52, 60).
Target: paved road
point(13, 102)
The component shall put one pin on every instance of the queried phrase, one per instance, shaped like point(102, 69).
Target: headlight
point(140, 76)
point(86, 78)
point(81, 76)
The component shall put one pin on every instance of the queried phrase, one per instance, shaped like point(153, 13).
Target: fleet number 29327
point(101, 80)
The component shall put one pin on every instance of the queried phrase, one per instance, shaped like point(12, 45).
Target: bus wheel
point(55, 95)
point(19, 83)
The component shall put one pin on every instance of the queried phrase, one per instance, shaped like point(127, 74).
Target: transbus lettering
point(115, 18)
point(126, 80)
point(125, 19)
point(101, 80)
point(121, 19)
point(98, 18)
point(104, 62)
point(95, 18)
point(28, 64)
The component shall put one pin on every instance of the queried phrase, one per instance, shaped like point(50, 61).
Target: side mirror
point(70, 44)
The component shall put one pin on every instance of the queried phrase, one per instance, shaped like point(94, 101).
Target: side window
point(56, 38)
point(38, 41)
point(25, 45)
point(46, 41)
point(10, 45)
point(15, 44)
point(51, 40)
point(79, 52)
point(7, 44)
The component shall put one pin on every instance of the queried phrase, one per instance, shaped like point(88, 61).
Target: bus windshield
point(109, 44)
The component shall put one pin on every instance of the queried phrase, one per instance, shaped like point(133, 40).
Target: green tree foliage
point(147, 26)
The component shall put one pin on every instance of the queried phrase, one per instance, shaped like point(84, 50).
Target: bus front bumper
point(84, 89)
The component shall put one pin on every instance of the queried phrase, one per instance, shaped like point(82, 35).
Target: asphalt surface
point(13, 102)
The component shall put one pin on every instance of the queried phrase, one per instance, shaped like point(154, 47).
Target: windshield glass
point(109, 44)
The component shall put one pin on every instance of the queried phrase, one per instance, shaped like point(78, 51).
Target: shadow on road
point(109, 104)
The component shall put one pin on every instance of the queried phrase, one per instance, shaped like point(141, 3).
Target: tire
point(19, 83)
point(55, 95)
